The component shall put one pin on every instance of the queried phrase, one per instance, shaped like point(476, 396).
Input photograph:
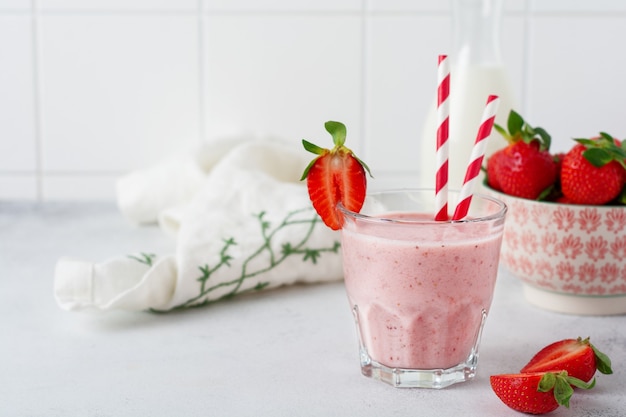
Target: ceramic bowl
point(570, 258)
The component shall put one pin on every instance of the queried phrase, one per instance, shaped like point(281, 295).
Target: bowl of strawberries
point(565, 233)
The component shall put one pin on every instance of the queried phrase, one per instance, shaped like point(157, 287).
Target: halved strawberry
point(578, 357)
point(537, 392)
point(335, 176)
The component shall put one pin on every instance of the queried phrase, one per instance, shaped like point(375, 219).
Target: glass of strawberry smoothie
point(420, 290)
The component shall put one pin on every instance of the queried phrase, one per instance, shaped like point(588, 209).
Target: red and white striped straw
point(476, 158)
point(443, 119)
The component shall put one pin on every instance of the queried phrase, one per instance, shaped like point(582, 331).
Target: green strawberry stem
point(603, 362)
point(313, 148)
point(562, 384)
point(520, 130)
point(339, 132)
point(602, 150)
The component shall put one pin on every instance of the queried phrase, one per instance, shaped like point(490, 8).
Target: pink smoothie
point(421, 291)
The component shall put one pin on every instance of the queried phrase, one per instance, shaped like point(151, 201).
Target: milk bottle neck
point(476, 32)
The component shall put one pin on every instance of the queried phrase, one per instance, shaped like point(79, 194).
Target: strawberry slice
point(537, 392)
point(335, 176)
point(578, 357)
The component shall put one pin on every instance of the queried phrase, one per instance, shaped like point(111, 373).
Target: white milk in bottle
point(475, 73)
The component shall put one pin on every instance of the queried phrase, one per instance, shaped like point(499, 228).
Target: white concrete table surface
point(286, 352)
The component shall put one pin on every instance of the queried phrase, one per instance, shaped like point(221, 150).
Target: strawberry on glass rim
point(335, 176)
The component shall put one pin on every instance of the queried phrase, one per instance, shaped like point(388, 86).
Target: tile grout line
point(36, 69)
point(525, 100)
point(364, 74)
point(201, 75)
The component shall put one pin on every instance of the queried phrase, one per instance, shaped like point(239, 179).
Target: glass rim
point(499, 214)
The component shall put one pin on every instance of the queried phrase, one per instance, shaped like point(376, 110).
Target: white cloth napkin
point(243, 223)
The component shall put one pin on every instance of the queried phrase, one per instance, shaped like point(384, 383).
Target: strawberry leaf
point(547, 382)
point(562, 384)
point(578, 383)
point(547, 139)
point(602, 150)
point(367, 169)
point(500, 130)
point(598, 157)
point(545, 194)
point(515, 122)
point(520, 130)
point(338, 132)
point(563, 391)
point(312, 147)
point(607, 137)
point(586, 142)
point(307, 169)
point(603, 362)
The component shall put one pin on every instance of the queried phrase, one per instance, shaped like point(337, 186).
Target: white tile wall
point(282, 75)
point(91, 89)
point(19, 157)
point(108, 6)
point(577, 89)
point(116, 90)
point(281, 6)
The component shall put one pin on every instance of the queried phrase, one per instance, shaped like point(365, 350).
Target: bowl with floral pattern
point(570, 258)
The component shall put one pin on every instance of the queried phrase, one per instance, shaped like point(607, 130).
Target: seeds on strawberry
point(526, 171)
point(547, 380)
point(525, 167)
point(537, 392)
point(594, 171)
point(335, 176)
point(493, 168)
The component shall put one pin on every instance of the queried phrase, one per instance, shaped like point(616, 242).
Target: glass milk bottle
point(476, 71)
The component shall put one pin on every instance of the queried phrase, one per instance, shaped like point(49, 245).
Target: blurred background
point(92, 89)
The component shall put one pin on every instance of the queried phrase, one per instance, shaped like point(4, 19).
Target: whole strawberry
point(525, 167)
point(526, 170)
point(335, 176)
point(493, 168)
point(594, 170)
